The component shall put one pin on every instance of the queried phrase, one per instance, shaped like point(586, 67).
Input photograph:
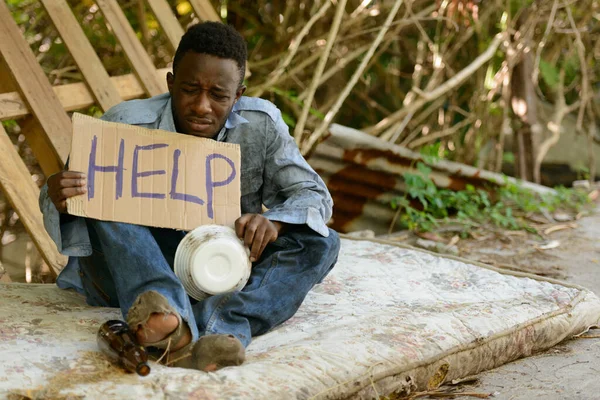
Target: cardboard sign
point(153, 177)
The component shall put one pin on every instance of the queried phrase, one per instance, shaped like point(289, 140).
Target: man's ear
point(170, 82)
point(241, 90)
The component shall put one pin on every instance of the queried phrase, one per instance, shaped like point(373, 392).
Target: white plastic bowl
point(211, 260)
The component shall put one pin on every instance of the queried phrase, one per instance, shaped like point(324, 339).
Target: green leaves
point(550, 74)
point(288, 119)
point(425, 205)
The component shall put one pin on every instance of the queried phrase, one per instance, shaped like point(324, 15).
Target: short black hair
point(215, 39)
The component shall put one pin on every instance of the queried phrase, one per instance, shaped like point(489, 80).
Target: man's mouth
point(199, 124)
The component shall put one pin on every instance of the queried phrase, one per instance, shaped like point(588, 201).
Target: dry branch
point(438, 135)
point(320, 131)
point(542, 43)
point(417, 76)
point(293, 49)
point(339, 13)
point(450, 84)
point(435, 105)
point(585, 83)
point(561, 109)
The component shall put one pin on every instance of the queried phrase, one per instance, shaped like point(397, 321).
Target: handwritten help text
point(211, 161)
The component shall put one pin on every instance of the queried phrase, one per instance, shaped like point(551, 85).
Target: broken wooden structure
point(42, 109)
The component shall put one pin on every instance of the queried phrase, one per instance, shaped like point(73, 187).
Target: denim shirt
point(273, 171)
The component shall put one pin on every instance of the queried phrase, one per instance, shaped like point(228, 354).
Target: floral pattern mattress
point(388, 319)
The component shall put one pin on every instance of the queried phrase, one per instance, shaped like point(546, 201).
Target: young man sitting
point(131, 267)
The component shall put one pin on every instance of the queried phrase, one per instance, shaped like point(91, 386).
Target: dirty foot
point(160, 326)
point(210, 353)
point(157, 324)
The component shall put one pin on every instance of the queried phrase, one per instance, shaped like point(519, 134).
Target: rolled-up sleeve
point(51, 217)
point(292, 191)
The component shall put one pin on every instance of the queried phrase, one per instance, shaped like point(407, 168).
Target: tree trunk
point(524, 105)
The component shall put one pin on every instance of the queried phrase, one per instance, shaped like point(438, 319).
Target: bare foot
point(158, 327)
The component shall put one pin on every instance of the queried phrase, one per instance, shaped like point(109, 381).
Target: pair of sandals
point(210, 353)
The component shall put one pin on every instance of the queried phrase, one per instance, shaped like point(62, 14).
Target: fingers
point(250, 232)
point(64, 185)
point(257, 242)
point(72, 175)
point(240, 224)
point(66, 193)
point(257, 232)
point(69, 183)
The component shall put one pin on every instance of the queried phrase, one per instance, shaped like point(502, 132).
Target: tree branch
point(393, 134)
point(438, 135)
point(561, 109)
point(450, 84)
point(320, 131)
point(293, 49)
point(538, 53)
point(339, 13)
point(585, 83)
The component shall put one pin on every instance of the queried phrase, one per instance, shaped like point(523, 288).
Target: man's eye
point(184, 90)
point(220, 96)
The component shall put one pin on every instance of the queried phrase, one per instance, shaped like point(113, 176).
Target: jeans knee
point(334, 240)
point(330, 245)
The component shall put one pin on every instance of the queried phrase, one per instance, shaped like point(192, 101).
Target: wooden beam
point(83, 53)
point(167, 21)
point(205, 10)
point(75, 96)
point(34, 135)
point(34, 88)
point(4, 277)
point(23, 194)
point(31, 128)
point(134, 51)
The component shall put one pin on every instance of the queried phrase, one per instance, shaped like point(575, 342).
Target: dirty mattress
point(388, 319)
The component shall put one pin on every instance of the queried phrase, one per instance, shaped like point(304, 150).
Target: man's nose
point(202, 104)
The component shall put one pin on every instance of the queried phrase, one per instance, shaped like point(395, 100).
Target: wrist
point(280, 226)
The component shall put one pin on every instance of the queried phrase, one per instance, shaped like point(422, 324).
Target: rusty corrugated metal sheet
point(364, 174)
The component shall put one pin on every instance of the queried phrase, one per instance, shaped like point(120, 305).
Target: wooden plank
point(34, 135)
point(23, 201)
point(134, 51)
point(23, 194)
point(83, 53)
point(34, 87)
point(167, 21)
point(75, 96)
point(31, 128)
point(4, 277)
point(205, 10)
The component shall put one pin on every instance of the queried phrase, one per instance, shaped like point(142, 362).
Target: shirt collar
point(234, 118)
point(167, 122)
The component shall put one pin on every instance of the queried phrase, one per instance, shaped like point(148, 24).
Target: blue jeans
point(129, 260)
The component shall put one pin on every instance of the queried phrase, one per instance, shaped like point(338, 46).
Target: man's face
point(203, 91)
